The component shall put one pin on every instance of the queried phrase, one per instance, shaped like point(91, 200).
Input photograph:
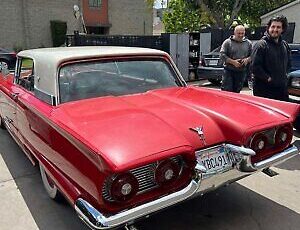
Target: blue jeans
point(233, 81)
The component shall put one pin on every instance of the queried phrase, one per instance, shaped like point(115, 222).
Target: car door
point(8, 99)
point(34, 133)
point(25, 86)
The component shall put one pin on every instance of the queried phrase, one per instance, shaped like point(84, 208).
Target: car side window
point(26, 74)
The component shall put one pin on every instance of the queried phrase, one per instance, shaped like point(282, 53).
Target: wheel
point(214, 81)
point(2, 126)
point(50, 186)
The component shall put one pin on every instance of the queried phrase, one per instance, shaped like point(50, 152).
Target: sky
point(157, 3)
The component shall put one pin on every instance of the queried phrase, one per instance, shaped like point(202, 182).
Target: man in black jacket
point(271, 62)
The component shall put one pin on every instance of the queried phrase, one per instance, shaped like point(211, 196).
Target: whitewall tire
point(49, 185)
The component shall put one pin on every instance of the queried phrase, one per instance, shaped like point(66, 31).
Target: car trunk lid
point(127, 129)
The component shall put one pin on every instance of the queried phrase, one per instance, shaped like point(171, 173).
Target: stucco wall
point(132, 17)
point(293, 15)
point(11, 23)
point(26, 23)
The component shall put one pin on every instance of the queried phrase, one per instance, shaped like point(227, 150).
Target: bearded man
point(271, 62)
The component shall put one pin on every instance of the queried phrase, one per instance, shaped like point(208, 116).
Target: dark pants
point(233, 81)
point(262, 89)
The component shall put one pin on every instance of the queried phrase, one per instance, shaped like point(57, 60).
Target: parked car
point(295, 56)
point(294, 83)
point(294, 75)
point(294, 92)
point(211, 66)
point(7, 58)
point(120, 135)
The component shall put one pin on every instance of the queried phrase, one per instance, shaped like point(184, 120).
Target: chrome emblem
point(199, 131)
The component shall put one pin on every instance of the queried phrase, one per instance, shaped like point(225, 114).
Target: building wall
point(131, 17)
point(293, 15)
point(27, 22)
point(11, 26)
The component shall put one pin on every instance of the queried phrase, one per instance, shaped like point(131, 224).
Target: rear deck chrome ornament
point(199, 131)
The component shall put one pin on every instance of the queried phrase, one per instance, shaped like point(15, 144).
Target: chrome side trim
point(45, 97)
point(98, 221)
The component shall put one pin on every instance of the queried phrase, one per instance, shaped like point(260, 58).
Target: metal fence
point(219, 35)
point(160, 42)
point(154, 42)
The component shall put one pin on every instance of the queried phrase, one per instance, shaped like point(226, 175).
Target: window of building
point(95, 3)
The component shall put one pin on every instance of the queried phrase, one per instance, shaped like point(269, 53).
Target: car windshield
point(119, 77)
point(216, 50)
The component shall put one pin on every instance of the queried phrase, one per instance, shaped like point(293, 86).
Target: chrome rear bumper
point(199, 185)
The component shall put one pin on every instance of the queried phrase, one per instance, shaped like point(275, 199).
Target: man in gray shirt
point(235, 53)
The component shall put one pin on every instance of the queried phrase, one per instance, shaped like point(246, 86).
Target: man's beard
point(274, 36)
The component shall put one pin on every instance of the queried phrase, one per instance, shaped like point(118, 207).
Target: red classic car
point(120, 135)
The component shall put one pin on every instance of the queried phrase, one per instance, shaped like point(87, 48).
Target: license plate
point(213, 62)
point(216, 160)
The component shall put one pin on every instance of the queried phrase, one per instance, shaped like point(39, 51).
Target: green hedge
point(58, 32)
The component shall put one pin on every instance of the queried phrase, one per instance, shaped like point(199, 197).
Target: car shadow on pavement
point(232, 207)
point(46, 213)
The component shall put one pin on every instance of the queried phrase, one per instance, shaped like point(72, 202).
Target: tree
point(224, 12)
point(252, 10)
point(181, 16)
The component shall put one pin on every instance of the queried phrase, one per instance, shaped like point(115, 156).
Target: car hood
point(126, 130)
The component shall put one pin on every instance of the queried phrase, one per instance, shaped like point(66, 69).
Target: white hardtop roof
point(47, 60)
point(61, 54)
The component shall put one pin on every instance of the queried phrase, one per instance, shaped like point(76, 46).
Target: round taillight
point(123, 187)
point(283, 135)
point(166, 172)
point(259, 142)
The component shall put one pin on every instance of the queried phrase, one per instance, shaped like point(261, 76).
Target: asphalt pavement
point(258, 202)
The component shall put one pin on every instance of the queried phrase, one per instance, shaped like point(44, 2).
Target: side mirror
point(4, 68)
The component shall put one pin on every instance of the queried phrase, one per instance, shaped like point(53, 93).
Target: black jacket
point(271, 59)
